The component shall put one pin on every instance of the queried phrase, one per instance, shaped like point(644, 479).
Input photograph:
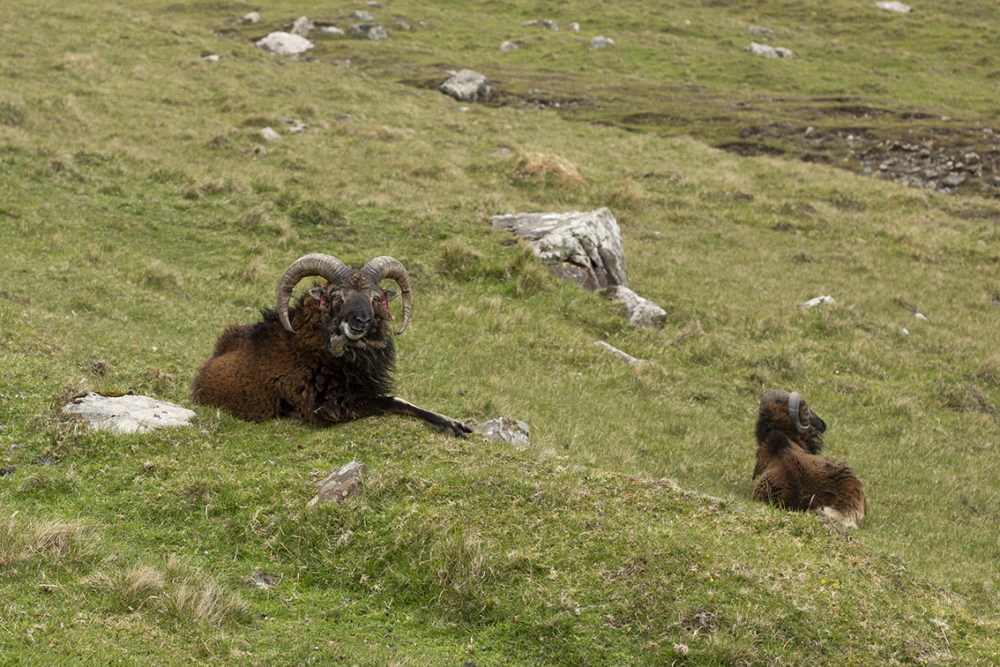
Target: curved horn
point(794, 401)
point(316, 264)
point(388, 267)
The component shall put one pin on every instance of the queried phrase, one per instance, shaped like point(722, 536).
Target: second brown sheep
point(789, 471)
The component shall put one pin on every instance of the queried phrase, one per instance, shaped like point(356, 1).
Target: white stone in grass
point(467, 85)
point(126, 414)
point(818, 301)
point(897, 7)
point(284, 44)
point(769, 51)
point(601, 42)
point(252, 17)
point(269, 134)
point(508, 46)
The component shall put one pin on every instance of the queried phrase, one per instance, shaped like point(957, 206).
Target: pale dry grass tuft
point(176, 591)
point(204, 603)
point(548, 169)
point(158, 274)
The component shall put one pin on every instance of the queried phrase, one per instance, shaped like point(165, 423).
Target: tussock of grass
point(48, 542)
point(547, 170)
point(177, 592)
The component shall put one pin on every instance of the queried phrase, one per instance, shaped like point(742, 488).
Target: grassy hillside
point(137, 221)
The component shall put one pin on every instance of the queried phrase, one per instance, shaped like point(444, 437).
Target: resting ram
point(789, 471)
point(327, 359)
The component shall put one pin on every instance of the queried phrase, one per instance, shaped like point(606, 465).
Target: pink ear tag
point(385, 302)
point(322, 302)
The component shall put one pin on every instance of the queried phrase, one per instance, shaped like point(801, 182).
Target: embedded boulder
point(126, 413)
point(503, 429)
point(585, 247)
point(345, 481)
point(467, 85)
point(284, 44)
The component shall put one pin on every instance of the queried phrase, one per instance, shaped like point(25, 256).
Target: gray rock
point(362, 15)
point(758, 31)
point(503, 429)
point(639, 312)
point(284, 44)
point(601, 42)
point(332, 30)
point(953, 180)
point(126, 414)
point(573, 27)
point(252, 18)
point(372, 31)
point(468, 86)
point(345, 481)
point(587, 249)
point(769, 51)
point(302, 26)
point(269, 134)
point(508, 46)
point(584, 247)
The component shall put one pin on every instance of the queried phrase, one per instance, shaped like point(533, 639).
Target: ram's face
point(353, 309)
point(803, 426)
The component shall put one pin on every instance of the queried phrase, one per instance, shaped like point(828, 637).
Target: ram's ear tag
point(385, 302)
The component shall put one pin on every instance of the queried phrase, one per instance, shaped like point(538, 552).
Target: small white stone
point(269, 134)
point(818, 301)
point(897, 7)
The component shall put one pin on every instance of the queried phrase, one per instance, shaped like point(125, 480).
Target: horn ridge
point(313, 264)
point(384, 266)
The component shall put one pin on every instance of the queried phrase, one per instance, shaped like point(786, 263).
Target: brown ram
point(789, 471)
point(327, 359)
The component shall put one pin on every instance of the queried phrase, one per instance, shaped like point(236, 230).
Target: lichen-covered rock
point(503, 429)
point(585, 247)
point(345, 481)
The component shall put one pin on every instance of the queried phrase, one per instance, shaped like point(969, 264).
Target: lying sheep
point(328, 359)
point(789, 471)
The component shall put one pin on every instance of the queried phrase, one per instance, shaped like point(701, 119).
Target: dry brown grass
point(548, 169)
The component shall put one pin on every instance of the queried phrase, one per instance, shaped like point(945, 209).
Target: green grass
point(136, 223)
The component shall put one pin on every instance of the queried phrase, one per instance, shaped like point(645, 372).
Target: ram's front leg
point(442, 423)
